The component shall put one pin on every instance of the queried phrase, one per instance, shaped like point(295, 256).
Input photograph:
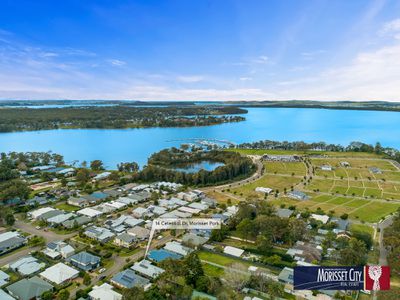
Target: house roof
point(59, 273)
point(233, 251)
point(61, 218)
point(5, 296)
point(139, 232)
point(27, 265)
point(104, 292)
point(323, 218)
point(193, 239)
point(79, 221)
point(85, 258)
point(3, 278)
point(284, 212)
point(162, 254)
point(127, 238)
point(177, 248)
point(286, 275)
point(128, 279)
point(341, 224)
point(146, 268)
point(27, 289)
point(89, 212)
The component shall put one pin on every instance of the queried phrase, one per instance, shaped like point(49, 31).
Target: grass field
point(354, 190)
point(66, 207)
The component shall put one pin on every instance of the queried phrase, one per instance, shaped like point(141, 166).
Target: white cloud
point(392, 28)
point(117, 62)
point(245, 78)
point(190, 79)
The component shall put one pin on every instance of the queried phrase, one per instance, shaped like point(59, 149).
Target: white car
point(102, 270)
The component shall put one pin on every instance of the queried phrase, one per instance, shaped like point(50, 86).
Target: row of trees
point(23, 119)
point(320, 146)
point(235, 166)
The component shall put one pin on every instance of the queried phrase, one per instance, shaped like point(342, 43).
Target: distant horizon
point(216, 100)
point(229, 50)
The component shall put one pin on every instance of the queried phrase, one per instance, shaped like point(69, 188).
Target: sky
point(200, 50)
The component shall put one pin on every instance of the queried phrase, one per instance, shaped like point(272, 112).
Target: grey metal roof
point(85, 258)
point(129, 279)
point(27, 289)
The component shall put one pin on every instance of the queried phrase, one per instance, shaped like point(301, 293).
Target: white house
point(264, 190)
point(104, 292)
point(59, 273)
point(233, 251)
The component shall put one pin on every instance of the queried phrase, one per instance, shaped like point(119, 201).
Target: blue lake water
point(204, 165)
point(292, 124)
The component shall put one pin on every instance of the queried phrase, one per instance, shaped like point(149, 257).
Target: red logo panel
point(377, 278)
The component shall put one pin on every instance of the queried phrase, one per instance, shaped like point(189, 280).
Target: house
point(157, 210)
point(223, 218)
point(124, 221)
point(59, 273)
point(128, 279)
point(170, 204)
point(298, 195)
point(187, 196)
point(127, 200)
point(177, 248)
point(139, 233)
point(76, 222)
point(193, 240)
point(264, 190)
point(35, 214)
point(104, 292)
point(58, 249)
point(101, 176)
point(305, 252)
point(59, 219)
point(125, 240)
point(141, 196)
point(209, 202)
point(286, 275)
point(79, 202)
point(101, 234)
point(342, 225)
point(140, 212)
point(375, 170)
point(5, 296)
point(284, 213)
point(190, 210)
point(322, 218)
point(145, 268)
point(10, 240)
point(28, 289)
point(37, 200)
point(162, 254)
point(89, 212)
point(85, 261)
point(27, 265)
point(282, 158)
point(4, 278)
point(113, 193)
point(233, 251)
point(198, 205)
point(326, 168)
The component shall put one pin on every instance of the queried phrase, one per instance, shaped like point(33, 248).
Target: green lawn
point(66, 207)
point(374, 211)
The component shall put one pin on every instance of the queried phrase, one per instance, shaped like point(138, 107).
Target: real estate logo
point(342, 278)
point(377, 278)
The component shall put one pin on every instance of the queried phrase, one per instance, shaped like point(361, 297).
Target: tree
point(63, 295)
point(264, 244)
point(10, 220)
point(96, 165)
point(86, 279)
point(136, 293)
point(237, 277)
point(83, 176)
point(194, 269)
point(48, 295)
point(246, 229)
point(353, 255)
point(297, 229)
